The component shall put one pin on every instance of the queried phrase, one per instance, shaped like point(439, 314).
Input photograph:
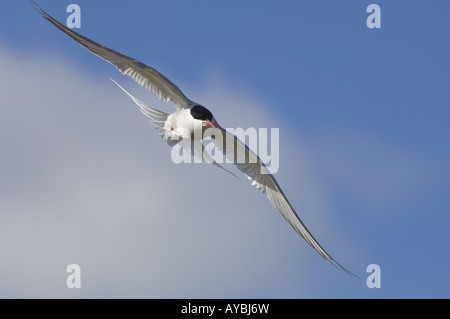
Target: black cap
point(201, 113)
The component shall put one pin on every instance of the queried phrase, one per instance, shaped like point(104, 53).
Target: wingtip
point(340, 267)
point(37, 7)
point(348, 272)
point(44, 14)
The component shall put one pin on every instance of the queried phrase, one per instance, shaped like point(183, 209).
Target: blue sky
point(364, 151)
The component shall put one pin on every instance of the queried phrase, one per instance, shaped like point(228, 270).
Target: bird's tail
point(157, 118)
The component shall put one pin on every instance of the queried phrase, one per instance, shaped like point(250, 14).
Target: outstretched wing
point(250, 164)
point(143, 74)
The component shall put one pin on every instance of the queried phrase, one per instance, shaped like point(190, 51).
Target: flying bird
point(191, 120)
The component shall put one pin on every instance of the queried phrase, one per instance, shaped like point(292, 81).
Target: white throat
point(181, 124)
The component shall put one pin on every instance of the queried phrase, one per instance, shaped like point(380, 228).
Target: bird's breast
point(181, 124)
point(183, 119)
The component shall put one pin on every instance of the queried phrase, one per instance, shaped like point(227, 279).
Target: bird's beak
point(208, 123)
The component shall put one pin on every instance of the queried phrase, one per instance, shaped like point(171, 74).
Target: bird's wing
point(201, 152)
point(261, 178)
point(143, 74)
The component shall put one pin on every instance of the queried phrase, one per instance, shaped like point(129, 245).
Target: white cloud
point(86, 180)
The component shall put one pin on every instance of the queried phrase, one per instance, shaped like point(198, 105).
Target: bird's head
point(202, 114)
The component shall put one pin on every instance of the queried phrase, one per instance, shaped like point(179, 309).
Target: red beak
point(208, 123)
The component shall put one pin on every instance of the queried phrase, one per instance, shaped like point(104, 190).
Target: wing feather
point(144, 75)
point(263, 180)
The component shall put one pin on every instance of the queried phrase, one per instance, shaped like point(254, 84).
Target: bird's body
point(180, 124)
point(189, 123)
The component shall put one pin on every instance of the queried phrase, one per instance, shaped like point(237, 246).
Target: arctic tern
point(192, 119)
